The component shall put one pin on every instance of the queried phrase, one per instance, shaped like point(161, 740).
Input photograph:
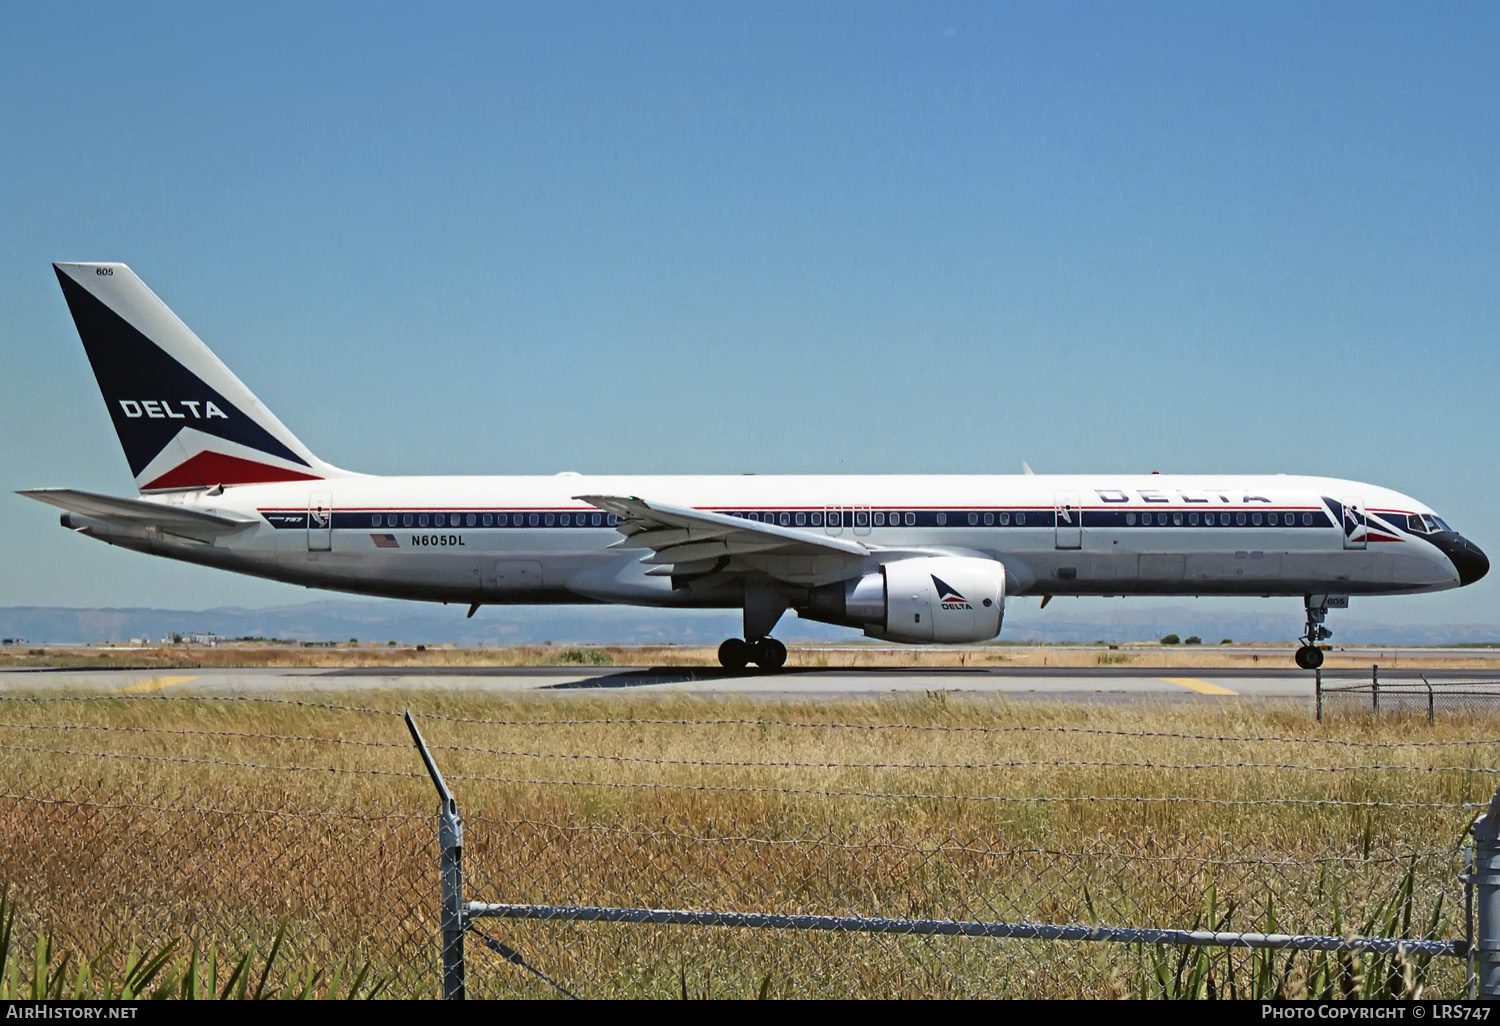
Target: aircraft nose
point(1468, 560)
point(1472, 565)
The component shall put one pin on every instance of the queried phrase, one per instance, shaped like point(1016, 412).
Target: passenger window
point(1192, 520)
point(1254, 519)
point(567, 520)
point(1208, 518)
point(1020, 519)
point(835, 519)
point(1004, 519)
point(375, 520)
point(612, 520)
point(989, 520)
point(801, 519)
point(437, 521)
point(532, 520)
point(501, 519)
point(1307, 520)
point(861, 520)
point(469, 520)
point(786, 520)
point(1176, 519)
point(422, 520)
point(1129, 519)
point(895, 518)
point(879, 519)
point(942, 520)
point(817, 520)
point(406, 520)
point(1239, 519)
point(911, 520)
point(549, 519)
point(594, 519)
point(973, 519)
point(487, 519)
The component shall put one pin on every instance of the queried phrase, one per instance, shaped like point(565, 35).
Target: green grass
point(48, 973)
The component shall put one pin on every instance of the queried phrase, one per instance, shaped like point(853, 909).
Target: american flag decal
point(385, 541)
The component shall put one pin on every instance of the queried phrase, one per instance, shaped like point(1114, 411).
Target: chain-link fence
point(668, 847)
point(1409, 695)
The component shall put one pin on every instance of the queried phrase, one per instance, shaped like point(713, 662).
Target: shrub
point(1192, 639)
point(584, 657)
point(1171, 639)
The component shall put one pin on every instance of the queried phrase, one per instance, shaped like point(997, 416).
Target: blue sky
point(801, 238)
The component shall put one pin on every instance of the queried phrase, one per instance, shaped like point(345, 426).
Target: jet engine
point(923, 599)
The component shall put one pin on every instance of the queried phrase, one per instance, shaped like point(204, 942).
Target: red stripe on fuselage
point(214, 468)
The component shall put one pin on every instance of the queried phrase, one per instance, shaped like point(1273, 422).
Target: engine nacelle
point(923, 599)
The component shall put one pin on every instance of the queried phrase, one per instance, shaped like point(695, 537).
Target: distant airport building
point(192, 639)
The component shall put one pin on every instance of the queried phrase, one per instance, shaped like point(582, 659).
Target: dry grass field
point(145, 818)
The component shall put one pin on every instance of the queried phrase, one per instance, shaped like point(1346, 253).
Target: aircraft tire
point(768, 653)
point(1309, 657)
point(734, 654)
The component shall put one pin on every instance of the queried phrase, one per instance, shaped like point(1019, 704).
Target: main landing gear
point(767, 653)
point(764, 604)
point(1310, 656)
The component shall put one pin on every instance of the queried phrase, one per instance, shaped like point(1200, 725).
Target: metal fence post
point(1431, 711)
point(1375, 687)
point(1318, 692)
point(451, 843)
point(1485, 951)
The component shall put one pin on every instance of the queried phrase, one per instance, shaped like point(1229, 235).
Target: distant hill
point(412, 622)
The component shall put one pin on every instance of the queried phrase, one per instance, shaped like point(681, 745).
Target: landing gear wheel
point(734, 654)
point(768, 654)
point(1309, 658)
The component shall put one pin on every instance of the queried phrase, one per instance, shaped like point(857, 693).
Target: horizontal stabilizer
point(137, 512)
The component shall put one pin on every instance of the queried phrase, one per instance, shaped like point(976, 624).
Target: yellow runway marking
point(1203, 687)
point(155, 684)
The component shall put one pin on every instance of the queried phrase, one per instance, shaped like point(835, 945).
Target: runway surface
point(1105, 684)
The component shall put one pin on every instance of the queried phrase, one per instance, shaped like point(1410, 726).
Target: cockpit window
point(1414, 523)
point(1443, 524)
point(1432, 522)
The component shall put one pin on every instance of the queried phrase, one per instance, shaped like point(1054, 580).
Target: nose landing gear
point(1310, 656)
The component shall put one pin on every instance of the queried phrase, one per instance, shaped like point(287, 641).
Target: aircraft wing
point(684, 540)
point(136, 513)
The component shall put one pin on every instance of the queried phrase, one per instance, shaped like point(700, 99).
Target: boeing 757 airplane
point(223, 483)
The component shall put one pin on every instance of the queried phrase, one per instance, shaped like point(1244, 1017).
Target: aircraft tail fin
point(184, 420)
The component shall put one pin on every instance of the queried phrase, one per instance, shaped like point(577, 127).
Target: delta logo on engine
point(949, 596)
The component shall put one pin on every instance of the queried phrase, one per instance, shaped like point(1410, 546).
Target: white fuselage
point(528, 540)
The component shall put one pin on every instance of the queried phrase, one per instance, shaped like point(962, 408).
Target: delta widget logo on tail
point(948, 595)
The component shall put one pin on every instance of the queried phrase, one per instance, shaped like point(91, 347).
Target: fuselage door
point(860, 519)
point(319, 522)
point(833, 519)
point(1355, 525)
point(1069, 519)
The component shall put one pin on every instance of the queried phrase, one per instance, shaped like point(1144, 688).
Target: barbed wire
point(228, 763)
point(998, 799)
point(185, 732)
point(764, 764)
point(1108, 845)
point(288, 812)
point(748, 788)
point(760, 722)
